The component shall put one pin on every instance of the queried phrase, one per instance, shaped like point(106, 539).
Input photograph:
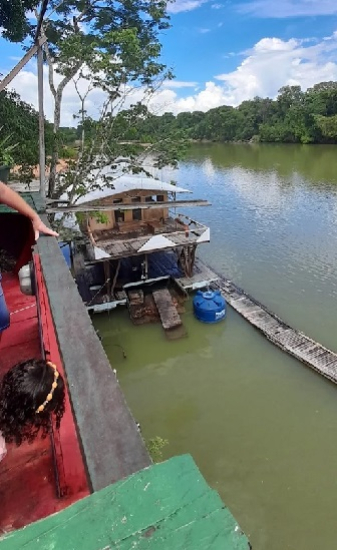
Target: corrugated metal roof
point(132, 183)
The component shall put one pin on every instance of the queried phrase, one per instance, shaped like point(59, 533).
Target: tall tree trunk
point(52, 191)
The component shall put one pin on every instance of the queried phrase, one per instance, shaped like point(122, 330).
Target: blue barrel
point(209, 307)
point(66, 251)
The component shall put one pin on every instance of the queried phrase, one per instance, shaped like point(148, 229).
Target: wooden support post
point(146, 267)
point(42, 160)
point(186, 259)
point(106, 267)
point(191, 259)
point(115, 277)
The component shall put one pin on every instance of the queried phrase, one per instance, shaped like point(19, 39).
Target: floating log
point(168, 313)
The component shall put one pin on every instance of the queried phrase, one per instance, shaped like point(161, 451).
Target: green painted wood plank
point(34, 200)
point(168, 506)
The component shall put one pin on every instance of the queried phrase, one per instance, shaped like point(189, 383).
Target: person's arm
point(13, 200)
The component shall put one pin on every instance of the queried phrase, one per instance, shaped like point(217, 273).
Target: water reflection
point(315, 163)
point(273, 225)
point(260, 425)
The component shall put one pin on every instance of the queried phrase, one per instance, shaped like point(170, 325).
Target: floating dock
point(294, 342)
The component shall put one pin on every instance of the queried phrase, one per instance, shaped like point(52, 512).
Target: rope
point(97, 293)
point(22, 309)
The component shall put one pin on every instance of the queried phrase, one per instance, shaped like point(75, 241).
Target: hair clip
point(53, 388)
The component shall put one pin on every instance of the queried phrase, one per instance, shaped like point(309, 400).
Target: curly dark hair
point(22, 390)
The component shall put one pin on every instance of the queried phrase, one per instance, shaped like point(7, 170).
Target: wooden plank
point(111, 443)
point(13, 73)
point(136, 206)
point(130, 247)
point(168, 313)
point(166, 507)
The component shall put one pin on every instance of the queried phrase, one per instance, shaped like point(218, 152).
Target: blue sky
point(203, 40)
point(227, 51)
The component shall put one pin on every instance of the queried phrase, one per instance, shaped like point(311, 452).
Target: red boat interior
point(41, 478)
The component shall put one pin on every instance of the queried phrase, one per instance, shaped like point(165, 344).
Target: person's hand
point(40, 227)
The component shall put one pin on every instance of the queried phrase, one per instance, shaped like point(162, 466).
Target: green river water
point(261, 427)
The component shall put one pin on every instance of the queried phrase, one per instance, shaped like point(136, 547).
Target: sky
point(222, 52)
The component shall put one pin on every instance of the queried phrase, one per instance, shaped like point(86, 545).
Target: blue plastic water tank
point(209, 307)
point(66, 251)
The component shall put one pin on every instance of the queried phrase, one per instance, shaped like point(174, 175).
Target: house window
point(160, 198)
point(118, 201)
point(150, 199)
point(137, 214)
point(119, 216)
point(136, 199)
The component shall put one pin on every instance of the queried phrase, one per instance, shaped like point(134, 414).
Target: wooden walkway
point(168, 313)
point(290, 340)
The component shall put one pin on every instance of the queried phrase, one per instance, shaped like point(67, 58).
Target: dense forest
point(294, 116)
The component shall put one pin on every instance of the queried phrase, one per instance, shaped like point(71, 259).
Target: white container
point(25, 279)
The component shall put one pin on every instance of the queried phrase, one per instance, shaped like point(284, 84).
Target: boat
point(88, 483)
point(42, 478)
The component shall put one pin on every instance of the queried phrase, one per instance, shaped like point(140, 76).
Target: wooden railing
point(111, 444)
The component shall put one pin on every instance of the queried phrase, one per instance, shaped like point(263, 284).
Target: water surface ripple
point(261, 426)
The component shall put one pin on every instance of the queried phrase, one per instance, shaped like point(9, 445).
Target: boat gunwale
point(111, 444)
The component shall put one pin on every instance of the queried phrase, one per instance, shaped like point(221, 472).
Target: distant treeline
point(293, 117)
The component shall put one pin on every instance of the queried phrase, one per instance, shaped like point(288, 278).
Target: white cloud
point(25, 83)
point(179, 6)
point(288, 8)
point(273, 63)
point(179, 84)
point(269, 65)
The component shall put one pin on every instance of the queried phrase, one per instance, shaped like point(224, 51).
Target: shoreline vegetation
point(295, 116)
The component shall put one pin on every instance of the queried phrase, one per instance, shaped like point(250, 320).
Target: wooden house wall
point(151, 214)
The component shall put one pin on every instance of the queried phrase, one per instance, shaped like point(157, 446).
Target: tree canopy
point(114, 45)
point(20, 127)
point(295, 116)
point(14, 18)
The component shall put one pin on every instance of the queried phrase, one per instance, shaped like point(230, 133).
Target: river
point(261, 426)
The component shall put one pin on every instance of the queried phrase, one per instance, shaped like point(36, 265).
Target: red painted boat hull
point(41, 478)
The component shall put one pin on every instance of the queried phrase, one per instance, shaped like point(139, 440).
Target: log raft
point(290, 340)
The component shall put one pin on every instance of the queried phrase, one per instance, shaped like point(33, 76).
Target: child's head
point(29, 393)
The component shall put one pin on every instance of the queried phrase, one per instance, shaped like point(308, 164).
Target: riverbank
point(62, 165)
